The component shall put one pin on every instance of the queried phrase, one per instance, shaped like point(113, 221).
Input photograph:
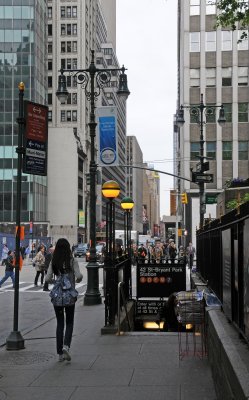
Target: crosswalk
point(30, 288)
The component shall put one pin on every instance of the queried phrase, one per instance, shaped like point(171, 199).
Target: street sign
point(198, 177)
point(35, 139)
point(211, 198)
point(202, 168)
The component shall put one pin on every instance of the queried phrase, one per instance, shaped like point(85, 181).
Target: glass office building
point(22, 58)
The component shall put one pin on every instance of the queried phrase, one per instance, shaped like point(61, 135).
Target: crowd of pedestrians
point(160, 252)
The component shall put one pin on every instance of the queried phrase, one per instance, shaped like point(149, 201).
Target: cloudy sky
point(147, 46)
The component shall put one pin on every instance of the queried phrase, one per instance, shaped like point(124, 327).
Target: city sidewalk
point(135, 366)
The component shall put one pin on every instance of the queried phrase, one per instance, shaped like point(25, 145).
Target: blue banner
point(107, 123)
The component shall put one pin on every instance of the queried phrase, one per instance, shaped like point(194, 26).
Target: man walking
point(9, 269)
point(190, 255)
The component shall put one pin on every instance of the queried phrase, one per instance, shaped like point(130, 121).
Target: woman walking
point(39, 264)
point(63, 264)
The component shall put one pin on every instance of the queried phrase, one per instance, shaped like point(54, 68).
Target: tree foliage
point(233, 14)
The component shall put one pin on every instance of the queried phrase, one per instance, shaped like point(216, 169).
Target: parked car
point(99, 253)
point(81, 249)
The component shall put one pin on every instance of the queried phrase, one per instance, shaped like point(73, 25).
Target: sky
point(147, 46)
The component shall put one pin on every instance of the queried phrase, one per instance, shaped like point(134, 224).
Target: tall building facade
point(134, 178)
point(22, 59)
point(211, 62)
point(151, 202)
point(74, 29)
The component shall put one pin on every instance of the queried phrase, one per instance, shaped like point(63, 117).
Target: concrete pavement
point(135, 366)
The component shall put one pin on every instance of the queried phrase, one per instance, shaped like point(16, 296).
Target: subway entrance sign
point(35, 139)
point(160, 280)
point(211, 198)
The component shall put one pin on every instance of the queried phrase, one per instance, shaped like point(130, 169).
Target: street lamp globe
point(127, 203)
point(110, 189)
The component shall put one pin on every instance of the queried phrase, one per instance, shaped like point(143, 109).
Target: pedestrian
point(172, 250)
point(27, 251)
point(5, 251)
point(64, 263)
point(142, 253)
point(9, 269)
point(48, 258)
point(190, 255)
point(39, 264)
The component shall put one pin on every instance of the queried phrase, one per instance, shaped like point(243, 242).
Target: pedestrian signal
point(184, 198)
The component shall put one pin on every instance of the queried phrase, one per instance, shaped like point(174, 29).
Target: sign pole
point(15, 340)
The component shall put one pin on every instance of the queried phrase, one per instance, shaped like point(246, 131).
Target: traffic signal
point(88, 179)
point(184, 198)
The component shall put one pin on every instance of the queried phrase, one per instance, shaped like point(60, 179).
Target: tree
point(233, 14)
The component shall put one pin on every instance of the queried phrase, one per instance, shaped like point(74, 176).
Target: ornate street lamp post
point(127, 205)
point(97, 79)
point(197, 112)
point(110, 191)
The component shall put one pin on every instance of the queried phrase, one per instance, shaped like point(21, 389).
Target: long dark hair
point(62, 256)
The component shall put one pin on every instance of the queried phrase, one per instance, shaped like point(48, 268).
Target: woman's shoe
point(61, 358)
point(66, 353)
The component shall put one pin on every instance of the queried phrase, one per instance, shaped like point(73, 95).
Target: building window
point(227, 76)
point(69, 116)
point(63, 12)
point(194, 43)
point(63, 47)
point(63, 115)
point(242, 76)
point(69, 29)
point(69, 80)
point(69, 12)
point(74, 47)
point(74, 29)
point(210, 7)
point(227, 151)
point(243, 112)
point(226, 44)
point(50, 81)
point(50, 116)
point(69, 98)
point(50, 48)
point(69, 63)
point(228, 112)
point(243, 150)
point(211, 150)
point(211, 41)
point(50, 65)
point(210, 77)
point(210, 114)
point(194, 7)
point(194, 77)
point(194, 150)
point(74, 12)
point(74, 63)
point(74, 115)
point(74, 81)
point(69, 47)
point(74, 98)
point(49, 12)
point(80, 202)
point(243, 41)
point(63, 29)
point(63, 63)
point(50, 97)
point(50, 30)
